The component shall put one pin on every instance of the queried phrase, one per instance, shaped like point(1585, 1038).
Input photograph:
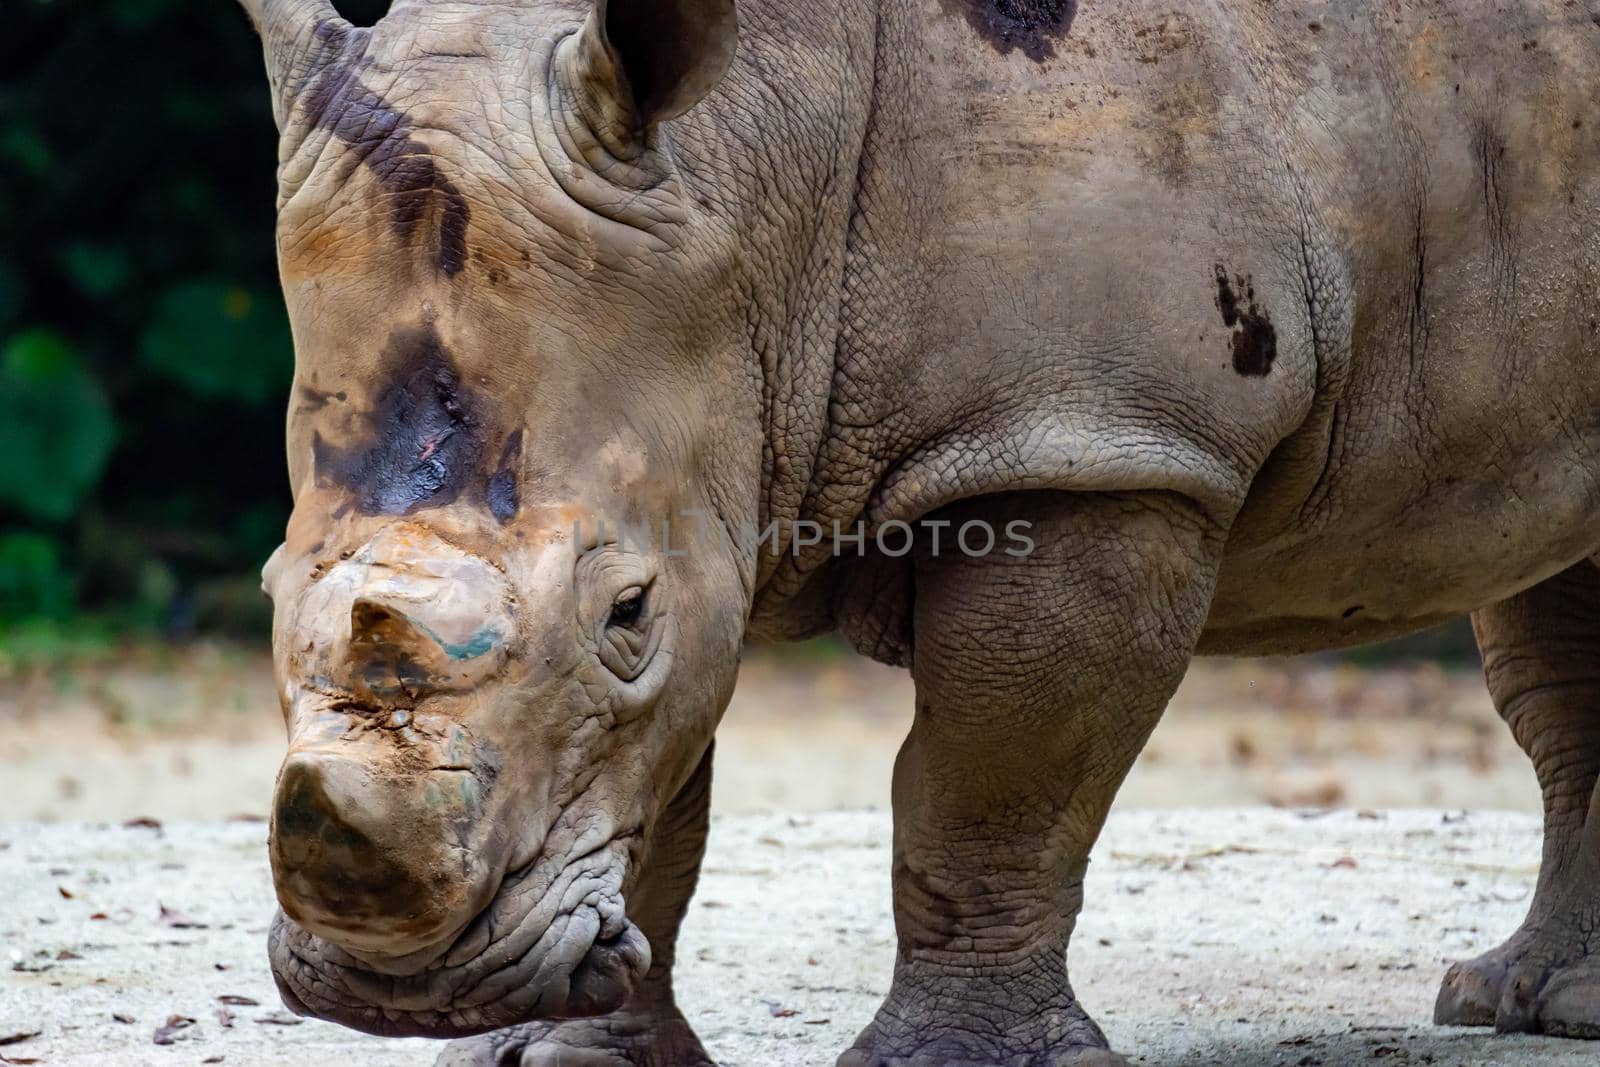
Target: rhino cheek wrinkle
point(1039, 345)
point(379, 137)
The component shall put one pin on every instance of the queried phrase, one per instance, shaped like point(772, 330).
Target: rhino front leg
point(649, 1030)
point(1541, 657)
point(1038, 681)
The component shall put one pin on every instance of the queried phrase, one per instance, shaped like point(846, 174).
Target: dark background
point(145, 357)
point(144, 354)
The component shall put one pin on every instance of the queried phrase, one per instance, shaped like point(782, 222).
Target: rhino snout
point(404, 617)
point(377, 863)
point(468, 782)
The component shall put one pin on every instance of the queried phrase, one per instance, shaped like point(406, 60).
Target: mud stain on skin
point(1030, 25)
point(502, 493)
point(380, 138)
point(1255, 340)
point(315, 399)
point(423, 442)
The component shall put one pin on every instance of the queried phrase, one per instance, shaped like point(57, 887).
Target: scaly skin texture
point(1539, 658)
point(649, 1030)
point(1277, 322)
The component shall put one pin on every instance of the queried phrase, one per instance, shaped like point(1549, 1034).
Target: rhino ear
point(646, 61)
point(296, 35)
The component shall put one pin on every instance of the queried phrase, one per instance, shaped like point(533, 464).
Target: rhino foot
point(617, 1040)
point(1561, 1001)
point(1532, 984)
point(1072, 1056)
point(1080, 1056)
point(1064, 1037)
point(1470, 992)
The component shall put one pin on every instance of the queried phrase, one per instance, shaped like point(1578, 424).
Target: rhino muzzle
point(377, 864)
point(554, 942)
point(377, 821)
point(413, 901)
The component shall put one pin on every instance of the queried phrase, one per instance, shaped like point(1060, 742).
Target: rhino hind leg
point(1541, 653)
point(649, 1030)
point(1038, 682)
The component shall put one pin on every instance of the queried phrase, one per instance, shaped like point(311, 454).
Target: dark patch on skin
point(379, 137)
point(1255, 339)
point(502, 492)
point(1227, 302)
point(486, 765)
point(424, 441)
point(316, 399)
point(1030, 25)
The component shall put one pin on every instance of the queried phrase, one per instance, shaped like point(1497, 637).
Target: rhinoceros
point(1041, 345)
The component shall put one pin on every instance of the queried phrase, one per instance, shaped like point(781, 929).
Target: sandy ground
point(1211, 936)
point(195, 734)
point(1236, 937)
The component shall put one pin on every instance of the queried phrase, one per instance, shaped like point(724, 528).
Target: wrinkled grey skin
point(1277, 323)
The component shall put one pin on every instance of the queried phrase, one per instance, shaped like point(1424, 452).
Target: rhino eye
point(627, 609)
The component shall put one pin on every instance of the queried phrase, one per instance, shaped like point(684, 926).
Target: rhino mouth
point(552, 943)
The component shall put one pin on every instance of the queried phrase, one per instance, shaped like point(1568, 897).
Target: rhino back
point(1328, 269)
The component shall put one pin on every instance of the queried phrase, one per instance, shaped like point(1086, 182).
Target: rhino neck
point(789, 129)
point(860, 271)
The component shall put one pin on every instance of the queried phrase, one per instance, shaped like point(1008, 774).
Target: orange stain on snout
point(1424, 55)
point(337, 245)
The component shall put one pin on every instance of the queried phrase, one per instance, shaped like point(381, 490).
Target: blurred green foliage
point(56, 431)
point(144, 360)
point(144, 353)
